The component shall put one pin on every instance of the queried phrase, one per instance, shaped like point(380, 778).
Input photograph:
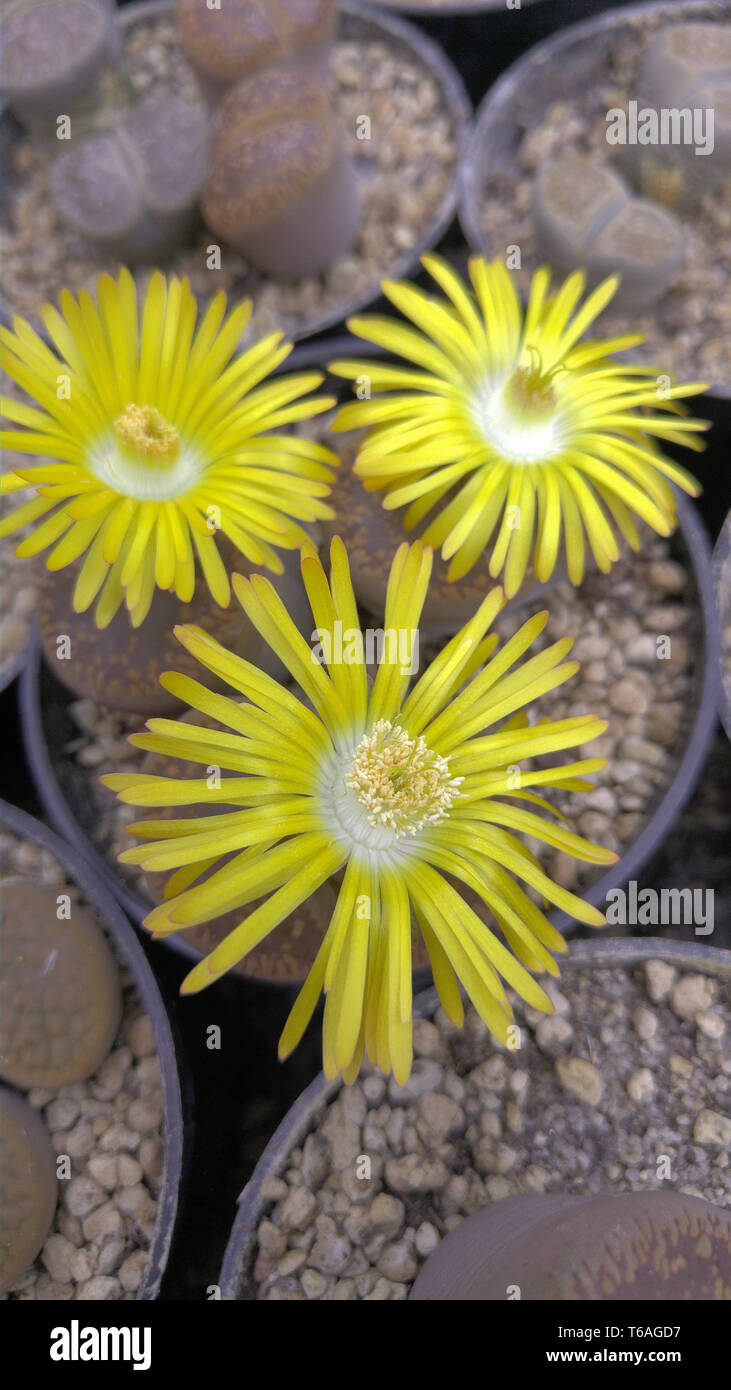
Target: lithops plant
point(59, 988)
point(28, 1187)
point(585, 215)
point(54, 52)
point(227, 42)
point(682, 148)
point(120, 666)
point(281, 189)
point(650, 1245)
point(132, 191)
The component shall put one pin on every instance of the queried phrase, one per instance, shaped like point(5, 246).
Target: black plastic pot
point(542, 76)
point(355, 20)
point(722, 589)
point(615, 953)
point(129, 949)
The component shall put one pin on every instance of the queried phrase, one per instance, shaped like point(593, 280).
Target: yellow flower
point(506, 420)
point(163, 436)
point(402, 793)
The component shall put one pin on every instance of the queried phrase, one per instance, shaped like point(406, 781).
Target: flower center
point(520, 416)
point(400, 782)
point(146, 433)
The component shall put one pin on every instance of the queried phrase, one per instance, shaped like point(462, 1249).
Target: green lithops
point(28, 1188)
point(60, 997)
point(651, 1245)
point(281, 189)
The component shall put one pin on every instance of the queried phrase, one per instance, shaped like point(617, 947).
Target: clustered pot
point(127, 950)
point(400, 41)
point(266, 1187)
point(568, 78)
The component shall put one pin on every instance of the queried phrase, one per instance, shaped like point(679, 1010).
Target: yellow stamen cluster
point(529, 391)
point(145, 432)
point(400, 781)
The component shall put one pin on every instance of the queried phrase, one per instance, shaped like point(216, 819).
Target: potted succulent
point(611, 1095)
point(91, 1095)
point(118, 185)
point(607, 135)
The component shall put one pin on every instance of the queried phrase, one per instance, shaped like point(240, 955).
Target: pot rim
point(721, 558)
point(457, 103)
point(614, 953)
point(81, 872)
point(500, 96)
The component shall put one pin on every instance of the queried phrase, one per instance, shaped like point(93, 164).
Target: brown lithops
point(60, 998)
point(120, 666)
point(28, 1188)
point(654, 1245)
point(281, 189)
point(230, 40)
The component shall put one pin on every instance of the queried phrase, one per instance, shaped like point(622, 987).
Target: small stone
point(272, 1240)
point(374, 1088)
point(272, 1189)
point(80, 1267)
point(641, 1085)
point(691, 995)
point(118, 1138)
point(427, 1238)
point(645, 1022)
point(103, 1288)
point(83, 1195)
point(144, 1117)
point(385, 1217)
point(140, 1036)
point(427, 1039)
point(397, 1262)
point(330, 1254)
point(296, 1210)
point(426, 1075)
point(63, 1112)
point(315, 1160)
point(129, 1170)
point(57, 1255)
point(132, 1271)
point(710, 1024)
point(414, 1173)
point(80, 1142)
point(343, 1290)
point(314, 1283)
point(626, 697)
point(105, 1221)
point(439, 1117)
point(712, 1128)
point(581, 1078)
point(659, 979)
point(110, 1255)
point(554, 1034)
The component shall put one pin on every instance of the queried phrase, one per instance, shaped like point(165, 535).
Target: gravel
point(639, 1102)
point(687, 330)
point(404, 171)
point(111, 1128)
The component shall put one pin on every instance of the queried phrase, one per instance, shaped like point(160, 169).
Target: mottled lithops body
point(678, 145)
point(654, 1245)
point(281, 189)
point(28, 1188)
point(133, 191)
point(59, 989)
point(54, 52)
point(585, 215)
point(233, 39)
point(120, 666)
